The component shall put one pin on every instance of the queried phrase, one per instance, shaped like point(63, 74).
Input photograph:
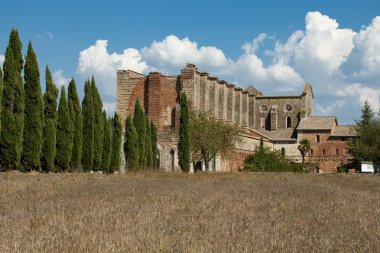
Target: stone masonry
point(273, 118)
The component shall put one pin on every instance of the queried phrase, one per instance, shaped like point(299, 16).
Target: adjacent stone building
point(281, 121)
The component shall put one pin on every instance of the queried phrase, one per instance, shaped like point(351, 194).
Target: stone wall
point(285, 106)
point(328, 152)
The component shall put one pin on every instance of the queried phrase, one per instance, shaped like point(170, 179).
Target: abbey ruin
point(281, 121)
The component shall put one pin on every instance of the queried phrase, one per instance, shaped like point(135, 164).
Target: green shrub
point(273, 161)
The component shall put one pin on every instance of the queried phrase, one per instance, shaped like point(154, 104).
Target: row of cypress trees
point(140, 146)
point(34, 135)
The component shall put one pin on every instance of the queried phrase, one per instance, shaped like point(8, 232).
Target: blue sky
point(275, 45)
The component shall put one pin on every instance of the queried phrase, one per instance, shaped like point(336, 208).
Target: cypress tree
point(98, 125)
point(50, 124)
point(184, 136)
point(88, 128)
point(76, 118)
point(64, 134)
point(131, 145)
point(12, 118)
point(148, 144)
point(1, 94)
point(33, 113)
point(116, 143)
point(153, 131)
point(140, 125)
point(107, 138)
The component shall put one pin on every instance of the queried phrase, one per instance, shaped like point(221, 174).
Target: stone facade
point(273, 118)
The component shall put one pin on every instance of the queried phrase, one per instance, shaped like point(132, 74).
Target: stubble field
point(166, 212)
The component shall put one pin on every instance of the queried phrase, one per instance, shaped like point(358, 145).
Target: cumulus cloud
point(59, 79)
point(97, 61)
point(364, 63)
point(339, 62)
point(363, 93)
point(251, 48)
point(322, 44)
point(173, 53)
point(1, 60)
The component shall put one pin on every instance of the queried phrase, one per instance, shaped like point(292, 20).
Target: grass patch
point(150, 212)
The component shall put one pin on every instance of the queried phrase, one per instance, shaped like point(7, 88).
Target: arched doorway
point(198, 166)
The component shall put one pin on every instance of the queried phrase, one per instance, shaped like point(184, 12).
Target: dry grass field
point(163, 212)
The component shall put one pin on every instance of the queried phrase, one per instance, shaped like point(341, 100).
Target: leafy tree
point(64, 134)
point(131, 145)
point(50, 124)
point(33, 113)
point(88, 128)
point(303, 148)
point(153, 131)
point(148, 144)
point(77, 121)
point(140, 125)
point(98, 125)
point(116, 143)
point(107, 141)
point(184, 136)
point(12, 118)
point(210, 137)
point(367, 146)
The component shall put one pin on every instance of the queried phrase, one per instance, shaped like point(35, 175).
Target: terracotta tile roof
point(317, 123)
point(280, 134)
point(344, 131)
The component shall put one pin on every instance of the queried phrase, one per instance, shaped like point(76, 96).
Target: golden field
point(173, 212)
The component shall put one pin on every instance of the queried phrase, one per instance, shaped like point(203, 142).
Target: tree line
point(140, 146)
point(367, 146)
point(37, 133)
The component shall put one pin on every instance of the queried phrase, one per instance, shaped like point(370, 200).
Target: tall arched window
point(167, 116)
point(263, 122)
point(288, 122)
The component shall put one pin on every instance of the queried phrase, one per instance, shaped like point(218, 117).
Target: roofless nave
point(282, 121)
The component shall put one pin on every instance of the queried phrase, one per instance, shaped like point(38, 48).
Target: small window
point(311, 151)
point(318, 138)
point(337, 151)
point(283, 151)
point(323, 152)
point(288, 122)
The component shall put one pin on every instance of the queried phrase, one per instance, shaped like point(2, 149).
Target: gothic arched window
point(288, 122)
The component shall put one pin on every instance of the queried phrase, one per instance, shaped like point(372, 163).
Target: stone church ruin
point(280, 120)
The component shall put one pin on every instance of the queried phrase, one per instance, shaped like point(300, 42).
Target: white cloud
point(1, 60)
point(330, 57)
point(173, 53)
point(323, 44)
point(251, 48)
point(45, 35)
point(109, 107)
point(49, 34)
point(329, 109)
point(363, 94)
point(365, 60)
point(97, 61)
point(59, 79)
